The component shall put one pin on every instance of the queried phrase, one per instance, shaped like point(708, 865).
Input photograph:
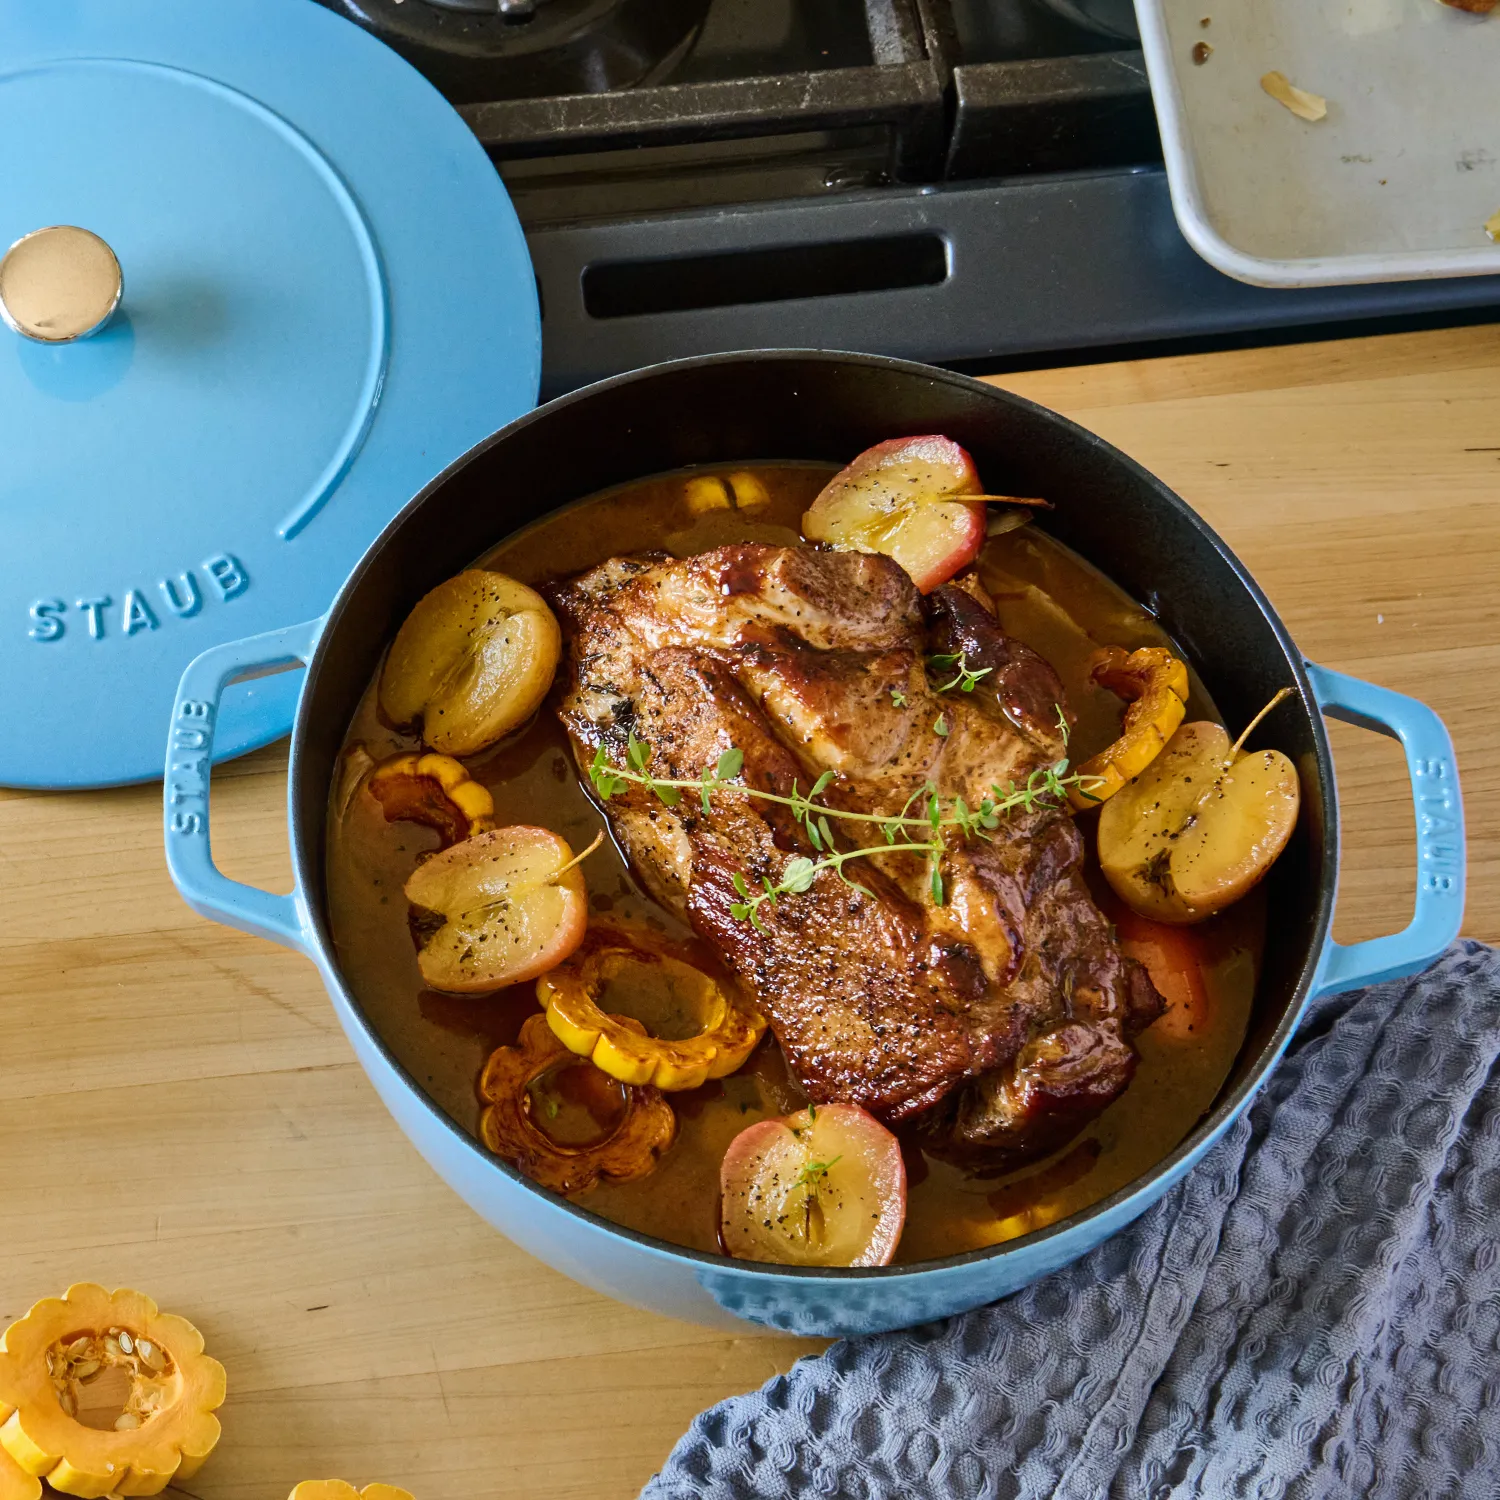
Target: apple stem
point(579, 858)
point(1234, 749)
point(515, 893)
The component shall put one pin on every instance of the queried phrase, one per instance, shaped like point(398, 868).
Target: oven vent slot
point(634, 288)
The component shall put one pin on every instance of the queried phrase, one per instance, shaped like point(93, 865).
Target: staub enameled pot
point(794, 405)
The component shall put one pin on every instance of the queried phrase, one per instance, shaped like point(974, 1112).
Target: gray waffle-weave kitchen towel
point(1314, 1312)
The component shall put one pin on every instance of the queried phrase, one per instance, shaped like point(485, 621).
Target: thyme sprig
point(810, 1180)
point(965, 680)
point(923, 811)
point(812, 1174)
point(799, 872)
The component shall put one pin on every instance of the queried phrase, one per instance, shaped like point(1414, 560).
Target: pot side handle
point(190, 752)
point(1440, 832)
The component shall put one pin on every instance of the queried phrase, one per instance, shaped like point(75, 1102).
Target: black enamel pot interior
point(791, 405)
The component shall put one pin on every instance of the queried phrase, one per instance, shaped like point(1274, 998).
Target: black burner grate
point(1038, 96)
point(950, 180)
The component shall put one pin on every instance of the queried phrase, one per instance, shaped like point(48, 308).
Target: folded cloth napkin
point(1313, 1312)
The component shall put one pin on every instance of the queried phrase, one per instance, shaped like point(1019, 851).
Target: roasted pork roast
point(995, 1023)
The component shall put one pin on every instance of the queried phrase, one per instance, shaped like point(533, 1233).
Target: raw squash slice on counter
point(338, 1489)
point(15, 1482)
point(101, 1393)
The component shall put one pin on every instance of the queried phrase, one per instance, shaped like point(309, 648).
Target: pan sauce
point(1048, 598)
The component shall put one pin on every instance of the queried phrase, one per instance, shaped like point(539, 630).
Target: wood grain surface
point(179, 1112)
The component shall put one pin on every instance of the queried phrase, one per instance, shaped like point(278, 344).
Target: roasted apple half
point(472, 661)
point(904, 498)
point(823, 1187)
point(1199, 827)
point(498, 909)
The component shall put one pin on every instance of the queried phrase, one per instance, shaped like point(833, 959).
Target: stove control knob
point(59, 284)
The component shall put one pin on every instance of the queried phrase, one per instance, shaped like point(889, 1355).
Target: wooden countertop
point(179, 1111)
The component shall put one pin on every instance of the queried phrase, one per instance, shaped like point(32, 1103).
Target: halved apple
point(903, 498)
point(498, 909)
point(823, 1187)
point(1199, 827)
point(472, 661)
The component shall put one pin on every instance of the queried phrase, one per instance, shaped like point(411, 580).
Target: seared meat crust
point(999, 1019)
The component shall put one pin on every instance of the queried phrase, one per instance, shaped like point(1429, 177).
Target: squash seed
point(127, 1421)
point(126, 1342)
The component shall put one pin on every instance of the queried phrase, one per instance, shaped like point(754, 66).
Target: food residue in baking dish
point(1474, 7)
point(1202, 52)
point(1492, 226)
point(1304, 105)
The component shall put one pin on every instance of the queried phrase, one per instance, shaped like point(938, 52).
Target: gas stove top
point(950, 180)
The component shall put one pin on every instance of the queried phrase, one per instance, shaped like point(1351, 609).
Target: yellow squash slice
point(554, 1116)
point(714, 1031)
point(337, 1489)
point(434, 790)
point(15, 1482)
point(1155, 684)
point(161, 1424)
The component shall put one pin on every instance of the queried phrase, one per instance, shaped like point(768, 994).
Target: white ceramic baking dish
point(1396, 183)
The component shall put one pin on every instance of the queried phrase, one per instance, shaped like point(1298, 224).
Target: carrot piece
point(1171, 957)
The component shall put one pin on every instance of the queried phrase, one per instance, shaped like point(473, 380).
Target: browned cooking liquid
point(1048, 598)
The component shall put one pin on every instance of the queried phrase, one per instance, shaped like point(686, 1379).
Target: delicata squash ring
point(338, 1489)
point(1155, 684)
point(15, 1482)
point(48, 1359)
point(562, 1122)
point(728, 1028)
point(434, 790)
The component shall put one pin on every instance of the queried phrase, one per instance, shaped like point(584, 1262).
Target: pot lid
point(324, 297)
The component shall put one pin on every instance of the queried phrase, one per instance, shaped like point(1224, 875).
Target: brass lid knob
point(59, 284)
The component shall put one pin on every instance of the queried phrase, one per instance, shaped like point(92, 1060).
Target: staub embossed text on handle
point(1440, 849)
point(187, 769)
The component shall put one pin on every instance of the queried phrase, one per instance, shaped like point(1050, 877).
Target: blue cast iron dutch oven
point(800, 405)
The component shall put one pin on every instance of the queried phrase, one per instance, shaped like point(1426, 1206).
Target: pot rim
point(1209, 1127)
